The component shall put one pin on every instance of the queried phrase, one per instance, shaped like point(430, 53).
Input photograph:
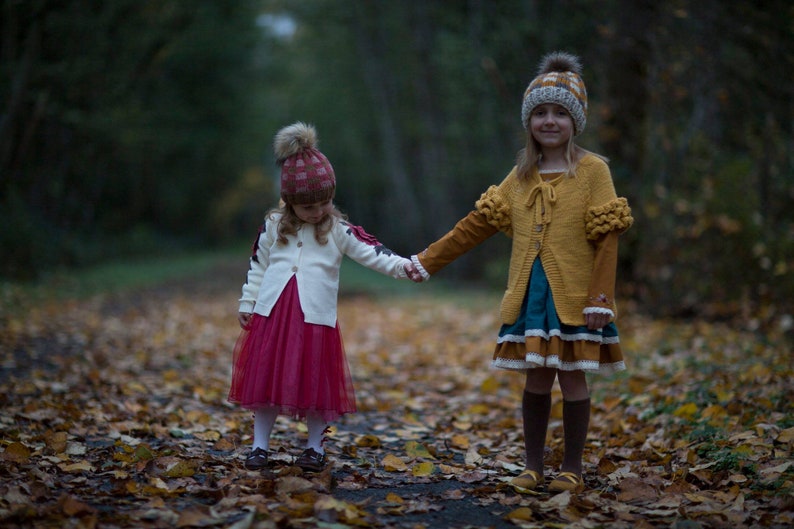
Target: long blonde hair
point(290, 223)
point(529, 157)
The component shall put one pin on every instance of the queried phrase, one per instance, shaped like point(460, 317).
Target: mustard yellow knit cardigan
point(571, 223)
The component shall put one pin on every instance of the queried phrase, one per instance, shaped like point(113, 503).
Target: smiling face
point(551, 126)
point(313, 213)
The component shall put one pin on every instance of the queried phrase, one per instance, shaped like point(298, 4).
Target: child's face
point(313, 213)
point(551, 125)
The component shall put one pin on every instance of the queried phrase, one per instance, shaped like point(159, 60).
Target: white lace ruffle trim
point(534, 360)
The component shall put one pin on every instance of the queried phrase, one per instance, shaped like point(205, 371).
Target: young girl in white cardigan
point(289, 358)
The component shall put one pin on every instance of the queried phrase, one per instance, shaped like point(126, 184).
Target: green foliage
point(156, 118)
point(123, 117)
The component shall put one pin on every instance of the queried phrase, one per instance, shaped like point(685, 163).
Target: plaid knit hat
point(306, 174)
point(559, 81)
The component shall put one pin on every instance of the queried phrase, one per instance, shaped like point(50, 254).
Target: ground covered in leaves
point(114, 414)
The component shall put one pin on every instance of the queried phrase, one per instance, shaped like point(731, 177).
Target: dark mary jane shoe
point(256, 460)
point(311, 460)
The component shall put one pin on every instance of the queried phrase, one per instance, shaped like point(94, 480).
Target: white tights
point(265, 418)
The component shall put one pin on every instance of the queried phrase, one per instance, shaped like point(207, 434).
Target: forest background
point(130, 128)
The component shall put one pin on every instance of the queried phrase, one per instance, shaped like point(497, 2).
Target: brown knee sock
point(535, 409)
point(575, 422)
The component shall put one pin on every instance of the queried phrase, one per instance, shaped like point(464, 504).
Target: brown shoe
point(528, 479)
point(256, 460)
point(311, 460)
point(567, 481)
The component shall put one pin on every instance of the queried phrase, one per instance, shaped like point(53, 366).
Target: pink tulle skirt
point(283, 362)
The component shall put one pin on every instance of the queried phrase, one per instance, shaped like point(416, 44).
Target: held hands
point(413, 273)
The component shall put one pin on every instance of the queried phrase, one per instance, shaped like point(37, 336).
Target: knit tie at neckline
point(543, 196)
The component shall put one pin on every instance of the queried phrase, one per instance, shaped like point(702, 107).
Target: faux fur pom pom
point(294, 139)
point(559, 61)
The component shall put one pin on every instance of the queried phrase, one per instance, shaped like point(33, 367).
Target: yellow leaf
point(289, 484)
point(462, 425)
point(522, 514)
point(724, 395)
point(715, 411)
point(394, 498)
point(786, 436)
point(479, 409)
point(414, 449)
point(392, 463)
point(82, 466)
point(325, 506)
point(423, 469)
point(209, 435)
point(449, 469)
point(489, 386)
point(172, 375)
point(686, 411)
point(368, 441)
point(460, 441)
point(181, 469)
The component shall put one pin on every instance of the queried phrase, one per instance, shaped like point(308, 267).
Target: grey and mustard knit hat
point(559, 81)
point(306, 174)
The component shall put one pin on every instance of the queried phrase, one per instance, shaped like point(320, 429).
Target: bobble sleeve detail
point(615, 216)
point(495, 209)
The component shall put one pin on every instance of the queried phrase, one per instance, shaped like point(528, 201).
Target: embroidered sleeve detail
point(495, 209)
point(359, 233)
point(615, 215)
point(601, 298)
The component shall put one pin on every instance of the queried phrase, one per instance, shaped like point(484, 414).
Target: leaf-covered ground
point(114, 416)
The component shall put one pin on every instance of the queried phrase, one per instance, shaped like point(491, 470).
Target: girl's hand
point(413, 274)
point(245, 319)
point(596, 320)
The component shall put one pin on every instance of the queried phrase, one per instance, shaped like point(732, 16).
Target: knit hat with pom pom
point(559, 81)
point(306, 174)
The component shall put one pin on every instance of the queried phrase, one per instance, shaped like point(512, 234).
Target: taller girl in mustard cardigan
point(559, 206)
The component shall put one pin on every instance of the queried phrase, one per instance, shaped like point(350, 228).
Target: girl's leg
point(316, 426)
point(575, 418)
point(264, 419)
point(313, 458)
point(535, 409)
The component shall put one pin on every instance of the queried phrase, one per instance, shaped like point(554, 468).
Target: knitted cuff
point(418, 265)
point(598, 310)
point(615, 215)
